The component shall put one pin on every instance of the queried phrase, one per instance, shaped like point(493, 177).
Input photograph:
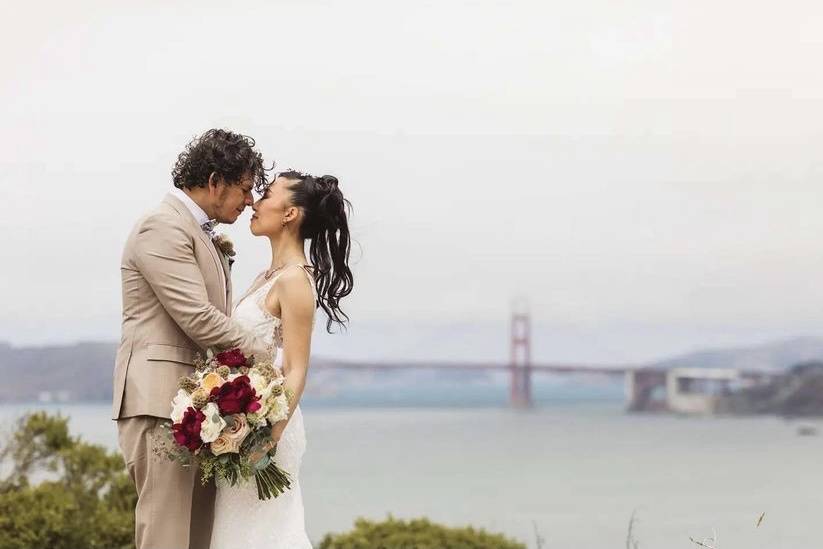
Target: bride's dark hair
point(325, 224)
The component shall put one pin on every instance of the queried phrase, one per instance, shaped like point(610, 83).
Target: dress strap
point(304, 268)
point(310, 275)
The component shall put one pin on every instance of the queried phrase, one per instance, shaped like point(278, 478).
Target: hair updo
point(325, 224)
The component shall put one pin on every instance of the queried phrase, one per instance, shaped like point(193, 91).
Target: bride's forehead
point(275, 189)
point(270, 188)
point(285, 181)
point(280, 185)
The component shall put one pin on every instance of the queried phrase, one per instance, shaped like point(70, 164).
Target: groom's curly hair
point(229, 155)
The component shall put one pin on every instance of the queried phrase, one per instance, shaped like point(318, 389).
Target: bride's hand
point(262, 450)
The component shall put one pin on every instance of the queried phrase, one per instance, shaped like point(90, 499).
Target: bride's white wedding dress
point(241, 520)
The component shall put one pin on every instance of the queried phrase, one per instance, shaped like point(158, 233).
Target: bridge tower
point(521, 381)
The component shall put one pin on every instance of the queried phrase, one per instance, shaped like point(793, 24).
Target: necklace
point(270, 273)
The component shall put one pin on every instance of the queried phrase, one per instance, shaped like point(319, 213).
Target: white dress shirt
point(198, 213)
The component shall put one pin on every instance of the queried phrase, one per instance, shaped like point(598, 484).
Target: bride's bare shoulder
point(294, 291)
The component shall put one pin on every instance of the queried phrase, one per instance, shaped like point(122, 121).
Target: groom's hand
point(260, 350)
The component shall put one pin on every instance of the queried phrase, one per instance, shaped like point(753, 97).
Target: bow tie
point(208, 227)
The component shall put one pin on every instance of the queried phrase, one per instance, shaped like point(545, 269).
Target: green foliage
point(414, 534)
point(63, 493)
point(84, 500)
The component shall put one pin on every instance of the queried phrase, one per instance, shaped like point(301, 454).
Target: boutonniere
point(225, 245)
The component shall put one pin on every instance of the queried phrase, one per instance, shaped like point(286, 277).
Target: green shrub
point(85, 499)
point(414, 534)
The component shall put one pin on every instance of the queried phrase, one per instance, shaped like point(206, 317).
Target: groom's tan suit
point(176, 303)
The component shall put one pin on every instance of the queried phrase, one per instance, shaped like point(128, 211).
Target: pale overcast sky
point(646, 173)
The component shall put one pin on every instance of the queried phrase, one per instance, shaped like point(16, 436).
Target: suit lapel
point(224, 261)
point(198, 232)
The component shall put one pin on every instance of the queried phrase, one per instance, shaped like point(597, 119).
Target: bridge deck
point(483, 366)
point(557, 368)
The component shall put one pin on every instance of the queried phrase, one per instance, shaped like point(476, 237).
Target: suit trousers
point(174, 510)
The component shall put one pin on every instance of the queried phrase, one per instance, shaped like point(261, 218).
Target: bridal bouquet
point(222, 414)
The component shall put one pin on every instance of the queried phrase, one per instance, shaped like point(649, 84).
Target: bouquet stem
point(271, 481)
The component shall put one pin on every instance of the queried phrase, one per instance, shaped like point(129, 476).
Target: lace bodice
point(251, 313)
point(242, 520)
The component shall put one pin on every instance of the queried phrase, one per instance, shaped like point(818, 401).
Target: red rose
point(236, 397)
point(233, 358)
point(187, 432)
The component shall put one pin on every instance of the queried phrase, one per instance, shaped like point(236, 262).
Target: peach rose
point(232, 437)
point(238, 428)
point(224, 445)
point(211, 381)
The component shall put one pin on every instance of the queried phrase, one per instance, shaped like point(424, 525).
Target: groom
point(176, 303)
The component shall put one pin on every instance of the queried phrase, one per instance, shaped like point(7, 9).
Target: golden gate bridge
point(690, 390)
point(520, 366)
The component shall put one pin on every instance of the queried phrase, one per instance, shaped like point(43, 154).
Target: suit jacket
point(176, 304)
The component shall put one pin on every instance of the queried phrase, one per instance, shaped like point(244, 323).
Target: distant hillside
point(83, 371)
point(776, 355)
point(78, 372)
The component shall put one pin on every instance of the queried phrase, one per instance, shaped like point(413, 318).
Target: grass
point(711, 542)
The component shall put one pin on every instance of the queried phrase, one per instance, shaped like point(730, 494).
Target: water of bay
point(574, 471)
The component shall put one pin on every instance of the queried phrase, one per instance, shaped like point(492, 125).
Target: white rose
point(259, 383)
point(278, 409)
point(213, 425)
point(181, 403)
point(263, 389)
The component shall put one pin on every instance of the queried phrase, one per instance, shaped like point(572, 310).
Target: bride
point(279, 307)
